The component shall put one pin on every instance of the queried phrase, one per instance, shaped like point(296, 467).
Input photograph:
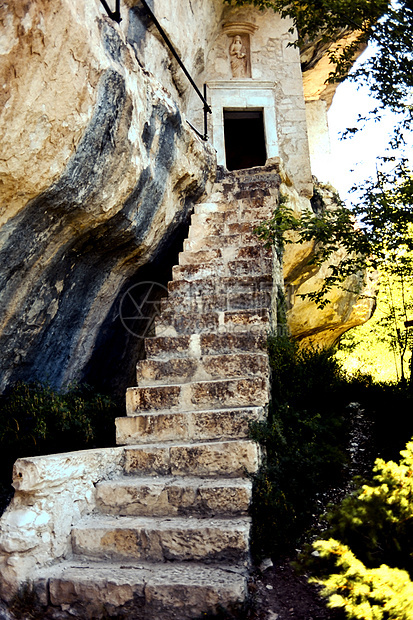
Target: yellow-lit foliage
point(382, 593)
point(365, 565)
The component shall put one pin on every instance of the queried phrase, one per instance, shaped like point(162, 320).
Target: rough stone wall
point(98, 171)
point(52, 493)
point(190, 24)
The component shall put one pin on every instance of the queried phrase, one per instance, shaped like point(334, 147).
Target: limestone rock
point(316, 66)
point(351, 303)
point(98, 170)
point(143, 592)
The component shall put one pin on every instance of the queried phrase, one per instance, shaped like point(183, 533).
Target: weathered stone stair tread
point(236, 458)
point(198, 345)
point(172, 323)
point(169, 591)
point(207, 425)
point(222, 255)
point(161, 539)
point(173, 496)
point(238, 206)
point(204, 368)
point(223, 240)
point(222, 302)
point(211, 286)
point(238, 267)
point(232, 214)
point(195, 395)
point(211, 225)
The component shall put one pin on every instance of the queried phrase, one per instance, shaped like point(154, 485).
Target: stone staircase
point(170, 538)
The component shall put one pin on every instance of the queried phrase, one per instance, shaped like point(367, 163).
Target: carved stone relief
point(239, 57)
point(239, 48)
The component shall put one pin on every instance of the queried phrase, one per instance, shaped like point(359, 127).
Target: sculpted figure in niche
point(238, 58)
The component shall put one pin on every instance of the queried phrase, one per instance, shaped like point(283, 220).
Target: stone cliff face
point(98, 173)
point(99, 170)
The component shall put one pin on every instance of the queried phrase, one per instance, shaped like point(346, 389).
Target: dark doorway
point(244, 139)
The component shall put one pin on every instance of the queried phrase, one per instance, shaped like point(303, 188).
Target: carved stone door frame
point(243, 94)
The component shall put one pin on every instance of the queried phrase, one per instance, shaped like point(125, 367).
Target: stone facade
point(272, 83)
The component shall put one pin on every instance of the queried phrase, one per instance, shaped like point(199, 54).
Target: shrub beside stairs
point(171, 538)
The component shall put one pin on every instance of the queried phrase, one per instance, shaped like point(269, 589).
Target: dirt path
point(281, 594)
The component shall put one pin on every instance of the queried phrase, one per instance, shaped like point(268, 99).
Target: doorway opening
point(244, 139)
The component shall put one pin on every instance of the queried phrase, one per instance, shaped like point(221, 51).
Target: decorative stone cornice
point(233, 28)
point(244, 83)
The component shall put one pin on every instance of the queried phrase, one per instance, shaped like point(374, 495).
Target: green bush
point(365, 560)
point(381, 593)
point(36, 419)
point(304, 439)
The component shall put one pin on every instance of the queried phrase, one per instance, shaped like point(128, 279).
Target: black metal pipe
point(175, 55)
point(198, 133)
point(206, 114)
point(115, 15)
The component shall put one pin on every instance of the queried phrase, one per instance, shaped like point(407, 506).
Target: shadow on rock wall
point(114, 213)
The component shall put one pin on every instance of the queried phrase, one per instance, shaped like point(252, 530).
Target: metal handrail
point(115, 15)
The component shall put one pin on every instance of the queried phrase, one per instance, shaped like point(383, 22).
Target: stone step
point(227, 254)
point(198, 395)
point(159, 539)
point(219, 286)
point(215, 218)
point(211, 424)
point(203, 256)
point(174, 323)
point(198, 345)
point(211, 242)
point(203, 226)
point(224, 459)
point(217, 303)
point(209, 367)
point(170, 591)
point(258, 211)
point(229, 216)
point(257, 252)
point(168, 496)
point(246, 267)
point(251, 267)
point(213, 207)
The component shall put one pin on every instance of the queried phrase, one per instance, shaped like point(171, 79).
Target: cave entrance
point(244, 139)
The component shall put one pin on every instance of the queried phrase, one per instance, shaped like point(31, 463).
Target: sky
point(355, 158)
